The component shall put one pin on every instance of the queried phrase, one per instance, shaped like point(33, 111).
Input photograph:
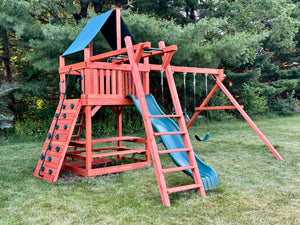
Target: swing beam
point(219, 77)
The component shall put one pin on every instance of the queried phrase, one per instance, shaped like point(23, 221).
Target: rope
point(51, 138)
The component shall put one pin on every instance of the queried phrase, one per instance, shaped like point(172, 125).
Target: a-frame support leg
point(249, 120)
point(219, 84)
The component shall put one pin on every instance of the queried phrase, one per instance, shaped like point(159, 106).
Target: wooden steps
point(176, 169)
point(134, 56)
point(174, 150)
point(183, 188)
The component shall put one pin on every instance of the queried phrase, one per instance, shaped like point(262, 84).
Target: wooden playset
point(107, 80)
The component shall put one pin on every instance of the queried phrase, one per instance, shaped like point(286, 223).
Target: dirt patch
point(69, 176)
point(66, 175)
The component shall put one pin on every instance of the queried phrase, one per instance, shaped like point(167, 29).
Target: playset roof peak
point(107, 24)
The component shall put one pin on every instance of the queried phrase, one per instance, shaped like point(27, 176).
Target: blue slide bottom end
point(208, 174)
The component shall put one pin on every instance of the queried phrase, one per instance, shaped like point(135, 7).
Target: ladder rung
point(183, 188)
point(169, 133)
point(174, 150)
point(75, 135)
point(176, 169)
point(162, 116)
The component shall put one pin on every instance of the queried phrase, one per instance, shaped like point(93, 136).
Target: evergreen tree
point(256, 42)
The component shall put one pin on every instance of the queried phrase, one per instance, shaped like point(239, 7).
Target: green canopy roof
point(105, 22)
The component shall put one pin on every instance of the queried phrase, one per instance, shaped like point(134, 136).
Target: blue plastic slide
point(208, 175)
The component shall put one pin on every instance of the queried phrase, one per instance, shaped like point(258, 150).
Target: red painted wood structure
point(106, 80)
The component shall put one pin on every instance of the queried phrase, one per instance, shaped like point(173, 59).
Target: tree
point(256, 42)
point(182, 11)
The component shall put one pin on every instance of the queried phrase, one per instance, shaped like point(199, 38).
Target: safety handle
point(78, 86)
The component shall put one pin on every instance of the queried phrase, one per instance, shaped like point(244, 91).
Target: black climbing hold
point(57, 148)
point(42, 156)
point(49, 135)
point(56, 115)
point(50, 171)
point(42, 168)
point(64, 115)
point(49, 158)
point(65, 126)
point(71, 105)
point(56, 126)
point(49, 146)
point(57, 136)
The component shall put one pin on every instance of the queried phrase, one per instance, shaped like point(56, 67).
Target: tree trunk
point(6, 63)
point(6, 56)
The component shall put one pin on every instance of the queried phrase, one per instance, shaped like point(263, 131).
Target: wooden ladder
point(134, 58)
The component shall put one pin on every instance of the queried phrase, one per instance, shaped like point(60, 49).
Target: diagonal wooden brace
point(219, 84)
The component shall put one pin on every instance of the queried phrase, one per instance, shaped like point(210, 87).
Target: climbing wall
point(57, 141)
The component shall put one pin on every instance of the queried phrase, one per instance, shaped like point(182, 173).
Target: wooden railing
point(110, 83)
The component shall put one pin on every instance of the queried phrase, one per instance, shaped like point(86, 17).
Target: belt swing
point(206, 137)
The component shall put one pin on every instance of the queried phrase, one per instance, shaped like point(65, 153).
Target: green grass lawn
point(255, 187)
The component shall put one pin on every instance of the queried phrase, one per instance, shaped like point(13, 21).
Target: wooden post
point(119, 125)
point(91, 48)
point(87, 76)
point(62, 79)
point(146, 77)
point(118, 27)
point(88, 139)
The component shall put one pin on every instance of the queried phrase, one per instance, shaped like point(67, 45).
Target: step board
point(55, 148)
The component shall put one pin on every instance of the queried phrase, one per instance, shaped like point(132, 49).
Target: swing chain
point(184, 86)
point(207, 113)
point(186, 116)
point(162, 87)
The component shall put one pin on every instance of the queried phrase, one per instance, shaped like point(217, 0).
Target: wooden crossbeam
point(168, 49)
point(117, 52)
point(216, 107)
point(82, 143)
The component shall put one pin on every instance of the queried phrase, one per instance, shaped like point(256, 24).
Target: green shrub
point(254, 103)
point(29, 130)
point(285, 106)
point(219, 99)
